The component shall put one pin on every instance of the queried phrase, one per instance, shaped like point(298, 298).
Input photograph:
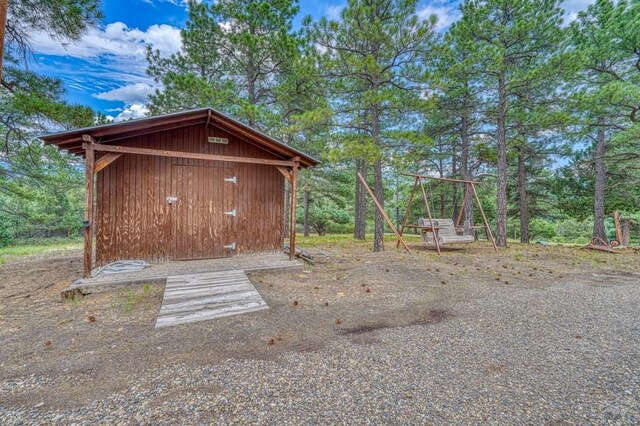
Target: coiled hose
point(122, 266)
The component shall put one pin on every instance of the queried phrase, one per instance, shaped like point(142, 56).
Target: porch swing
point(438, 232)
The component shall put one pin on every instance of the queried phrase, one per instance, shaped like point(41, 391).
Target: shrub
point(5, 233)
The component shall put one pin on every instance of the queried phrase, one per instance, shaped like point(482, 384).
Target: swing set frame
point(469, 190)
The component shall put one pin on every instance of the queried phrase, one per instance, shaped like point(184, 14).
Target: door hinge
point(231, 179)
point(231, 213)
point(231, 246)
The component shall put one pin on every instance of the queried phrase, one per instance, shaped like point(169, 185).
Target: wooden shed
point(190, 185)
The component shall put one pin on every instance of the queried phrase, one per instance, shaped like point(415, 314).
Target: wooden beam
point(437, 178)
point(181, 154)
point(105, 160)
point(384, 214)
point(434, 232)
point(294, 201)
point(88, 213)
point(89, 139)
point(406, 213)
point(484, 218)
point(285, 172)
point(464, 202)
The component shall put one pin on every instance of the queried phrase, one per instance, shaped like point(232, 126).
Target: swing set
point(437, 232)
point(442, 231)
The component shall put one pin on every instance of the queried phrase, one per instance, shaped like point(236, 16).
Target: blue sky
point(106, 68)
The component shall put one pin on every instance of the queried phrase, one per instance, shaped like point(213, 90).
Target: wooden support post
point(294, 200)
point(464, 203)
point(105, 160)
point(484, 218)
point(286, 173)
point(384, 214)
point(406, 214)
point(90, 156)
point(434, 232)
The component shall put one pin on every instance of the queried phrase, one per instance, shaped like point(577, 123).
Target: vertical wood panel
point(134, 220)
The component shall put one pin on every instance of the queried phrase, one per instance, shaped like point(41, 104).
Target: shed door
point(202, 211)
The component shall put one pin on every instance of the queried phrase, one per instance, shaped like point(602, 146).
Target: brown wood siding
point(134, 220)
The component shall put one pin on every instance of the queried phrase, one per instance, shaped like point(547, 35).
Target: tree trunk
point(3, 25)
point(454, 197)
point(251, 83)
point(601, 176)
point(378, 238)
point(464, 164)
point(523, 196)
point(441, 175)
point(305, 217)
point(501, 197)
point(360, 225)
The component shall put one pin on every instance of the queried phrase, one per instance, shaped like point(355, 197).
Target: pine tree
point(374, 58)
point(233, 55)
point(39, 185)
point(607, 41)
point(509, 35)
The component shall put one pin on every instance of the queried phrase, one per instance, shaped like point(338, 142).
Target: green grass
point(33, 247)
point(129, 299)
point(344, 240)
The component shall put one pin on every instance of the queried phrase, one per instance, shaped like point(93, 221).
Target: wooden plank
point(136, 221)
point(88, 213)
point(198, 293)
point(437, 178)
point(217, 302)
point(206, 315)
point(286, 173)
point(105, 160)
point(426, 203)
point(197, 297)
point(182, 154)
point(464, 203)
point(294, 200)
point(384, 214)
point(406, 213)
point(484, 218)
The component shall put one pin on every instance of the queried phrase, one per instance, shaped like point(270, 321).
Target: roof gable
point(72, 140)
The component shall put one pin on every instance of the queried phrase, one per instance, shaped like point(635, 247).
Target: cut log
point(301, 254)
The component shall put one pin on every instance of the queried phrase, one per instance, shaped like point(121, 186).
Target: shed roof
point(72, 140)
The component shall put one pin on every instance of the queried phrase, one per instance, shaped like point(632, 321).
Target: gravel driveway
point(563, 353)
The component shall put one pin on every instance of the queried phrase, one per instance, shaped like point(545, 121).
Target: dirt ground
point(348, 294)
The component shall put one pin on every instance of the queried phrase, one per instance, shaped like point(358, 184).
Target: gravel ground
point(563, 353)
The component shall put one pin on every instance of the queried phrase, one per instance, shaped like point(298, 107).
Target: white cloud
point(110, 62)
point(131, 112)
point(447, 15)
point(129, 94)
point(448, 12)
point(115, 39)
point(333, 11)
point(183, 3)
point(572, 7)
